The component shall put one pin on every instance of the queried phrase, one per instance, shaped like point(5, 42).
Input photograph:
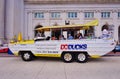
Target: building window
point(89, 15)
point(118, 14)
point(105, 14)
point(72, 14)
point(39, 15)
point(55, 15)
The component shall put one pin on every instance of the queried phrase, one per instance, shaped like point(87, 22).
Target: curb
point(6, 55)
point(113, 54)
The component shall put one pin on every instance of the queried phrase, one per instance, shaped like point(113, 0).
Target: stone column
point(63, 17)
point(26, 25)
point(116, 24)
point(2, 10)
point(30, 26)
point(19, 17)
point(14, 18)
point(98, 31)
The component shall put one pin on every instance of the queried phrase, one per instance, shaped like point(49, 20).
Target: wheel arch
point(75, 52)
point(22, 51)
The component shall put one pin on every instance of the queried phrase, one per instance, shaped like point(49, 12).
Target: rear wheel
point(81, 57)
point(26, 56)
point(67, 57)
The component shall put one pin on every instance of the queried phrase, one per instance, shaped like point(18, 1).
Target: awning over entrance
point(75, 26)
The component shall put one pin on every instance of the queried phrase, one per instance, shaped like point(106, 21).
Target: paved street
point(50, 68)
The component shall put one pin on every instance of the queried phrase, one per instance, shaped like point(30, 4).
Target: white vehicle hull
point(93, 47)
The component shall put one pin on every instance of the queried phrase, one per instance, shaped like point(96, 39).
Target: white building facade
point(25, 15)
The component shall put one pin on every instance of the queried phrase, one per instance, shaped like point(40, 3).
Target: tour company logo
point(73, 46)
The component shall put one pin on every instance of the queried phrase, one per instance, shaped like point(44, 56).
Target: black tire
point(27, 56)
point(67, 57)
point(82, 57)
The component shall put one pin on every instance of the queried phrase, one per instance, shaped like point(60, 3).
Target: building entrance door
point(119, 34)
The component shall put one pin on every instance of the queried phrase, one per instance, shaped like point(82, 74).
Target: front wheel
point(81, 57)
point(26, 56)
point(67, 57)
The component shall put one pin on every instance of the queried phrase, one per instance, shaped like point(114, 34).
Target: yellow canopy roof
point(80, 26)
point(92, 23)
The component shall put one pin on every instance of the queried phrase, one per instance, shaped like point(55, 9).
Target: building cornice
point(72, 1)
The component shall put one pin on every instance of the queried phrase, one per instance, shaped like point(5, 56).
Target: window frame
point(118, 14)
point(39, 15)
point(105, 14)
point(72, 15)
point(55, 15)
point(88, 15)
